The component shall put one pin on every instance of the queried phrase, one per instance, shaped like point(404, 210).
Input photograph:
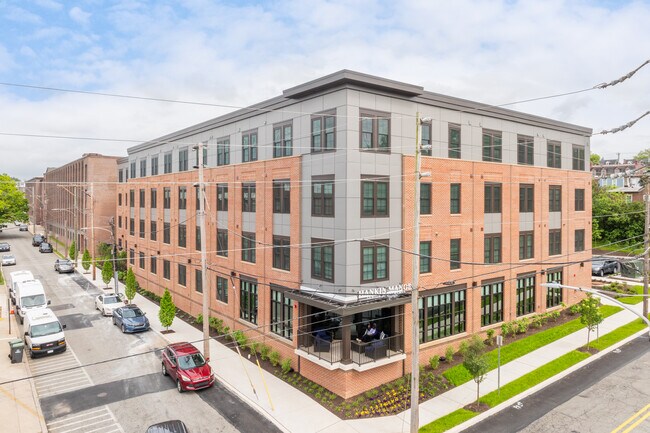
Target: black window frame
point(425, 257)
point(554, 295)
point(167, 233)
point(554, 242)
point(248, 300)
point(455, 195)
point(555, 198)
point(249, 145)
point(374, 247)
point(143, 167)
point(154, 165)
point(319, 137)
point(525, 294)
point(248, 247)
point(141, 260)
point(526, 198)
point(493, 197)
point(492, 148)
point(222, 197)
point(182, 236)
point(553, 154)
point(281, 312)
point(319, 248)
point(578, 157)
point(491, 302)
point(198, 280)
point(167, 163)
point(282, 253)
point(579, 200)
point(492, 248)
point(167, 198)
point(222, 238)
point(525, 150)
point(425, 198)
point(167, 270)
point(282, 146)
point(453, 145)
point(153, 227)
point(375, 118)
point(322, 204)
point(222, 289)
point(526, 245)
point(153, 198)
point(375, 183)
point(153, 265)
point(454, 253)
point(182, 198)
point(579, 240)
point(183, 159)
point(442, 315)
point(426, 141)
point(182, 275)
point(223, 151)
point(282, 196)
point(249, 197)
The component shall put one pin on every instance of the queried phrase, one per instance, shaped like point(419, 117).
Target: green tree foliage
point(167, 310)
point(644, 155)
point(107, 272)
point(594, 158)
point(614, 218)
point(130, 284)
point(13, 203)
point(85, 260)
point(590, 314)
point(475, 360)
point(72, 252)
point(121, 261)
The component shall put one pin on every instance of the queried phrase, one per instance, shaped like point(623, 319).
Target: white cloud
point(79, 16)
point(49, 4)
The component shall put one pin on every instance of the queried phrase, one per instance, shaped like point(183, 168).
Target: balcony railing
point(322, 347)
point(361, 353)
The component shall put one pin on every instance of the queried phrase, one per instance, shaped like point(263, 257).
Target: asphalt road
point(108, 381)
point(596, 398)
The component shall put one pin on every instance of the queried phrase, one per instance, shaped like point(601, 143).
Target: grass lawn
point(458, 374)
point(632, 300)
point(618, 334)
point(618, 248)
point(2, 280)
point(448, 421)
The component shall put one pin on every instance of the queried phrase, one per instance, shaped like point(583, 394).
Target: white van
point(30, 295)
point(43, 333)
point(18, 277)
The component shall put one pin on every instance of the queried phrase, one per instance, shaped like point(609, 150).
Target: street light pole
point(646, 247)
point(92, 230)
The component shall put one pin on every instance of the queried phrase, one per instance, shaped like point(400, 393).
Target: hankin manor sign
point(396, 289)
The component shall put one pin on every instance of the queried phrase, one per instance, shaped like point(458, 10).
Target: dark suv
point(37, 240)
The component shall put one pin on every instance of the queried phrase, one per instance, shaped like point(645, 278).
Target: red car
point(187, 366)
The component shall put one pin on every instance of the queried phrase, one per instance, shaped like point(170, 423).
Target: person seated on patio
point(370, 334)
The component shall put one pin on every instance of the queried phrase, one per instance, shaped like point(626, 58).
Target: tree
point(107, 272)
point(85, 260)
point(615, 220)
point(121, 261)
point(72, 252)
point(13, 203)
point(590, 314)
point(167, 310)
point(476, 362)
point(594, 159)
point(644, 155)
point(130, 284)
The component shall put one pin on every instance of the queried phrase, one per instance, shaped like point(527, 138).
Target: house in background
point(622, 176)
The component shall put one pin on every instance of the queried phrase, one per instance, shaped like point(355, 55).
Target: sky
point(242, 52)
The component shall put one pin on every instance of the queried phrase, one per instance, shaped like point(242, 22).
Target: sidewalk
point(293, 411)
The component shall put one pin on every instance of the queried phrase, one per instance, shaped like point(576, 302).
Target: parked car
point(37, 240)
point(22, 228)
point(130, 318)
point(63, 266)
point(4, 247)
point(8, 260)
point(173, 426)
point(185, 364)
point(108, 303)
point(603, 266)
point(44, 247)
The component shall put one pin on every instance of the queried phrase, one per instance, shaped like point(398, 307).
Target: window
point(281, 313)
point(525, 150)
point(526, 243)
point(425, 257)
point(323, 132)
point(454, 254)
point(223, 151)
point(248, 197)
point(454, 141)
point(198, 278)
point(281, 196)
point(197, 238)
point(526, 198)
point(579, 158)
point(580, 240)
point(222, 289)
point(222, 197)
point(554, 295)
point(203, 154)
point(154, 234)
point(141, 257)
point(554, 242)
point(454, 198)
point(491, 303)
point(425, 198)
point(182, 197)
point(143, 168)
point(166, 233)
point(154, 198)
point(374, 261)
point(555, 199)
point(491, 146)
point(322, 260)
point(132, 256)
point(119, 222)
point(222, 242)
point(120, 176)
point(554, 154)
point(133, 170)
point(132, 226)
point(132, 198)
point(426, 148)
point(281, 253)
point(282, 144)
point(119, 199)
point(248, 300)
point(153, 264)
point(248, 247)
point(375, 131)
point(182, 235)
point(167, 198)
point(154, 165)
point(249, 146)
point(166, 269)
point(525, 295)
point(141, 197)
point(142, 228)
point(492, 198)
point(182, 275)
point(183, 159)
point(580, 200)
point(322, 196)
point(492, 248)
point(441, 315)
point(374, 197)
point(167, 163)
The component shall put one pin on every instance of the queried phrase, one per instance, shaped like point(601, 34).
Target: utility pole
point(111, 222)
point(92, 230)
point(204, 271)
point(646, 247)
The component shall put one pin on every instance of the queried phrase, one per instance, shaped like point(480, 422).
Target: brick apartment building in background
point(34, 194)
point(72, 193)
point(310, 203)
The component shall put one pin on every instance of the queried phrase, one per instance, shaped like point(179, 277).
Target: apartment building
point(79, 200)
point(34, 194)
point(311, 200)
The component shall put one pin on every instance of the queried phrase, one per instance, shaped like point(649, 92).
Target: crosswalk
point(62, 373)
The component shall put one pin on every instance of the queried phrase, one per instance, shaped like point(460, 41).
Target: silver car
point(8, 260)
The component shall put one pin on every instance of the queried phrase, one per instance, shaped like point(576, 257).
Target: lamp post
point(113, 248)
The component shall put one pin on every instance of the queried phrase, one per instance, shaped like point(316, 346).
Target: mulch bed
point(477, 407)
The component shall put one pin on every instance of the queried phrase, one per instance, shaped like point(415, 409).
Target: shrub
point(555, 315)
point(199, 319)
point(254, 347)
point(274, 357)
point(216, 324)
point(265, 352)
point(286, 366)
point(522, 325)
point(507, 329)
point(226, 333)
point(449, 354)
point(462, 349)
point(434, 362)
point(575, 309)
point(490, 336)
point(240, 338)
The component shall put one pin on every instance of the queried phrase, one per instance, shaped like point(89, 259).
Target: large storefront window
point(525, 295)
point(554, 295)
point(442, 315)
point(491, 303)
point(281, 313)
point(248, 301)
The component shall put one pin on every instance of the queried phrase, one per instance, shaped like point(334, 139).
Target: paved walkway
point(293, 411)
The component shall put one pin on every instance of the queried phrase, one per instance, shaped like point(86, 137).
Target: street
point(108, 381)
